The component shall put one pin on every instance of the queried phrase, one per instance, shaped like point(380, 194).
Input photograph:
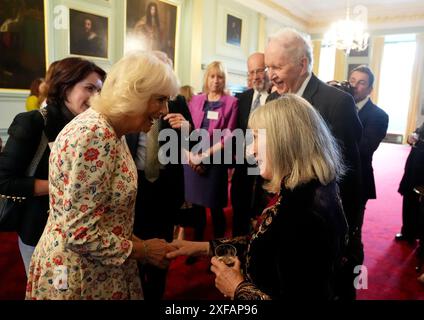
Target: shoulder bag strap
point(41, 147)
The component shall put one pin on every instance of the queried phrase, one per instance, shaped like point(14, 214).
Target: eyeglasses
point(270, 69)
point(255, 72)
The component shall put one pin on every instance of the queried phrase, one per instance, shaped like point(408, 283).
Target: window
point(395, 80)
point(327, 62)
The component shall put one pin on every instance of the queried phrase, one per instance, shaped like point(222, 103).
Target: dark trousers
point(155, 214)
point(410, 215)
point(242, 189)
point(196, 217)
point(353, 257)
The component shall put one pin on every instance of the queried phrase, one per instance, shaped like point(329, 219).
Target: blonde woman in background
point(206, 185)
point(187, 92)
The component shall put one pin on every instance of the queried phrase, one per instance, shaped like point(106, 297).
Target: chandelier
point(349, 34)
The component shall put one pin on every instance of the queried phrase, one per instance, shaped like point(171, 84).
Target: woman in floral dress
point(87, 250)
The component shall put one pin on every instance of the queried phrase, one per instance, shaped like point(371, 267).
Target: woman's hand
point(188, 248)
point(176, 120)
point(227, 278)
point(412, 138)
point(196, 159)
point(41, 187)
point(152, 251)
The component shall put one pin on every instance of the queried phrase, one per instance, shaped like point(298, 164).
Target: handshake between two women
point(160, 253)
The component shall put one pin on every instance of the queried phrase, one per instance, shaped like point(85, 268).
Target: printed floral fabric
point(83, 252)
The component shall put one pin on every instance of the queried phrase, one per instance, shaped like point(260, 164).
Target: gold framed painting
point(22, 43)
point(88, 34)
point(151, 25)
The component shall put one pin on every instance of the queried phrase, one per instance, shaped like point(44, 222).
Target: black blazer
point(298, 253)
point(375, 122)
point(338, 109)
point(174, 173)
point(245, 103)
point(414, 166)
point(24, 138)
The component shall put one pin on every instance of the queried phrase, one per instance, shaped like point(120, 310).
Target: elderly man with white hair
point(288, 58)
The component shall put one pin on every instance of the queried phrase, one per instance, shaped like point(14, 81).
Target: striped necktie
point(257, 102)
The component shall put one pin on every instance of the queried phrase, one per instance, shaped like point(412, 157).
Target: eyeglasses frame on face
point(271, 69)
point(257, 71)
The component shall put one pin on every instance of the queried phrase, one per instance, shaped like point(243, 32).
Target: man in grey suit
point(288, 58)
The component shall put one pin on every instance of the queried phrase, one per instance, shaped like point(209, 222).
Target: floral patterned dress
point(83, 252)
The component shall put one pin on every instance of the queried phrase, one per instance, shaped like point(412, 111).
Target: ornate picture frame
point(151, 25)
point(88, 34)
point(234, 30)
point(22, 43)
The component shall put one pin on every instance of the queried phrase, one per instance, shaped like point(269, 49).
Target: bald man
point(242, 183)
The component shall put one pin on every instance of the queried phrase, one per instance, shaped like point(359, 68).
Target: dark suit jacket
point(245, 103)
point(338, 109)
point(24, 138)
point(171, 179)
point(414, 166)
point(375, 122)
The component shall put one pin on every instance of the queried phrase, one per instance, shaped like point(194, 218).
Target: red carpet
point(390, 265)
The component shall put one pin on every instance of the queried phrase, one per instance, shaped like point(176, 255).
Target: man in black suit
point(242, 183)
point(374, 122)
point(288, 58)
point(158, 198)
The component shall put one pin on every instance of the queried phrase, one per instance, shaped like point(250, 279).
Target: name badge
point(212, 115)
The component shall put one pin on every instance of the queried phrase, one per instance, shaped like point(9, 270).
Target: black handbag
point(10, 206)
point(9, 212)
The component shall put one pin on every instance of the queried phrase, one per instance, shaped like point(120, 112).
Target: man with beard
point(288, 59)
point(242, 183)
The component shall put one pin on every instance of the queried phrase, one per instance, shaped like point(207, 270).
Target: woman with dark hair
point(33, 100)
point(148, 27)
point(71, 86)
point(44, 86)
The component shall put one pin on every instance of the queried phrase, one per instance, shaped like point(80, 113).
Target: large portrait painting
point(151, 25)
point(22, 43)
point(88, 34)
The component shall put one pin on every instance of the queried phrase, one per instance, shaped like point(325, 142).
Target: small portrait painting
point(151, 25)
point(356, 53)
point(234, 25)
point(88, 34)
point(22, 43)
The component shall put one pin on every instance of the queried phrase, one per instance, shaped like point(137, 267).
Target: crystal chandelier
point(349, 34)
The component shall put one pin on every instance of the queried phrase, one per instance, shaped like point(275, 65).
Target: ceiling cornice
point(286, 12)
